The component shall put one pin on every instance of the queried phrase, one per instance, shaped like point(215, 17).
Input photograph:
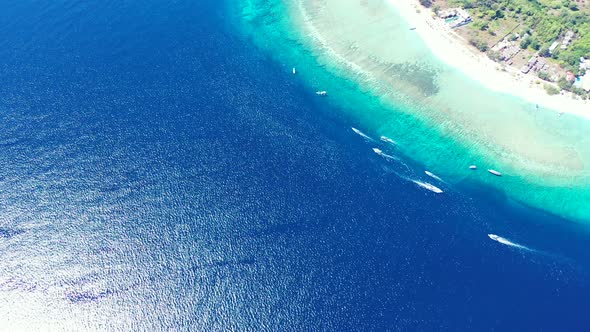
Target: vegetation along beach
point(414, 75)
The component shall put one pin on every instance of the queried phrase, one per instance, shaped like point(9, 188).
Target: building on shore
point(583, 81)
point(447, 13)
point(553, 47)
point(567, 39)
point(455, 17)
point(506, 49)
point(529, 65)
point(570, 77)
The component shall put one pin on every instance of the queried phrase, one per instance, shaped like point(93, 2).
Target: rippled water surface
point(159, 172)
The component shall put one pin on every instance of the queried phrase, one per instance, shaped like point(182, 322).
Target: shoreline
point(447, 119)
point(456, 52)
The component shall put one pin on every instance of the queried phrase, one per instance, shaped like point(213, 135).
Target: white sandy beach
point(372, 40)
point(447, 105)
point(456, 52)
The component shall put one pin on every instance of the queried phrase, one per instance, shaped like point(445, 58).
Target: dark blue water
point(158, 172)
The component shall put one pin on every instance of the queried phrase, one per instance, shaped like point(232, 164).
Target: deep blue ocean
point(158, 172)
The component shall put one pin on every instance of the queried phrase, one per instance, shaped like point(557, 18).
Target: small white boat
point(387, 140)
point(384, 155)
point(321, 93)
point(473, 167)
point(294, 71)
point(428, 186)
point(496, 173)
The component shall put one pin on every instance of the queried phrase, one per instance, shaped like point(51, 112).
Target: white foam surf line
point(317, 36)
point(363, 135)
point(507, 242)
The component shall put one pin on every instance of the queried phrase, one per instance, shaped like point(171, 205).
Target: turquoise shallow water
point(162, 173)
point(439, 118)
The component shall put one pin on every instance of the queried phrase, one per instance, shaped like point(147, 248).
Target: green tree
point(544, 52)
point(426, 3)
point(525, 43)
point(479, 44)
point(544, 76)
point(564, 84)
point(551, 90)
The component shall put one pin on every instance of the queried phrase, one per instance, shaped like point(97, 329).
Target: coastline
point(388, 82)
point(456, 52)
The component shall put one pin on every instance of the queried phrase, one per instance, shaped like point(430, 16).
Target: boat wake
point(428, 186)
point(433, 176)
point(363, 135)
point(507, 242)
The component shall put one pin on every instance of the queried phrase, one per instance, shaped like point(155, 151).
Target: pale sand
point(372, 40)
point(439, 115)
point(455, 51)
